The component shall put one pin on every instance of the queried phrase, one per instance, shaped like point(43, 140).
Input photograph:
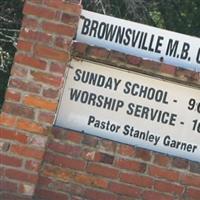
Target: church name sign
point(139, 40)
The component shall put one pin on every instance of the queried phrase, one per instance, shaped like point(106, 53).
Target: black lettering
point(159, 44)
point(93, 29)
point(144, 41)
point(126, 130)
point(77, 76)
point(135, 37)
point(130, 109)
point(74, 94)
point(86, 26)
point(91, 119)
point(101, 30)
point(141, 39)
point(127, 38)
point(185, 49)
point(198, 57)
point(127, 87)
point(120, 35)
point(151, 43)
point(166, 140)
point(110, 32)
point(172, 48)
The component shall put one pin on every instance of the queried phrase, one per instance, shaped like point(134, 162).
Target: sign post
point(129, 108)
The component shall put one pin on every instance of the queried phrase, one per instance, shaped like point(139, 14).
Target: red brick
point(11, 196)
point(33, 127)
point(124, 189)
point(59, 29)
point(65, 149)
point(66, 162)
point(74, 137)
point(27, 189)
point(131, 165)
point(39, 11)
point(50, 93)
point(25, 86)
point(12, 95)
point(86, 179)
point(90, 140)
point(12, 161)
point(24, 45)
point(162, 160)
point(150, 65)
point(30, 61)
point(79, 49)
point(74, 9)
point(98, 52)
point(168, 187)
point(102, 170)
point(167, 174)
point(32, 165)
point(38, 102)
point(62, 42)
point(194, 167)
point(50, 195)
point(69, 19)
point(190, 180)
point(46, 117)
point(37, 1)
point(7, 120)
point(98, 195)
point(13, 135)
point(108, 146)
point(104, 158)
point(29, 22)
point(168, 69)
point(136, 179)
point(57, 68)
point(19, 71)
point(58, 173)
point(21, 176)
point(193, 194)
point(151, 195)
point(36, 36)
point(27, 151)
point(126, 150)
point(116, 57)
point(8, 186)
point(44, 181)
point(47, 78)
point(133, 60)
point(143, 154)
point(180, 163)
point(51, 53)
point(18, 110)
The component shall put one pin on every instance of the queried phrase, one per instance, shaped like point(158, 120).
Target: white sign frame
point(152, 43)
point(170, 113)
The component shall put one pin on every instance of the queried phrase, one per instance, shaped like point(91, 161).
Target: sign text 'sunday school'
point(133, 109)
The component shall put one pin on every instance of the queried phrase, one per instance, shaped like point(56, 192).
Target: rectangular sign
point(131, 108)
point(139, 40)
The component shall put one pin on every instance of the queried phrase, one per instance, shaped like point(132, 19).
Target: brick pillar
point(33, 92)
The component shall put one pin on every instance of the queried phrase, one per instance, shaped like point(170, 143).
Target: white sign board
point(139, 40)
point(131, 108)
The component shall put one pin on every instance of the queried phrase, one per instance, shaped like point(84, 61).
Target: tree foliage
point(10, 22)
point(176, 15)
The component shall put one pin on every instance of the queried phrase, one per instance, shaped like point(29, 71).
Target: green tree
point(10, 22)
point(176, 15)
